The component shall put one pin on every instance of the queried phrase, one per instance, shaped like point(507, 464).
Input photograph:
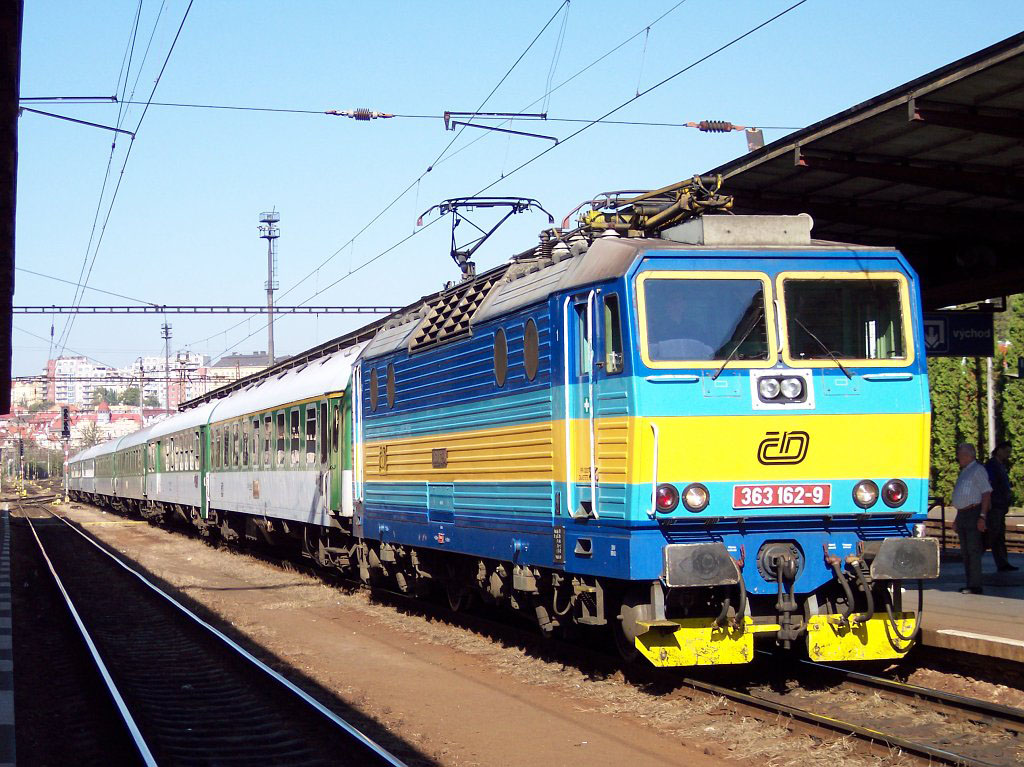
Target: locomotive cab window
point(846, 316)
point(705, 319)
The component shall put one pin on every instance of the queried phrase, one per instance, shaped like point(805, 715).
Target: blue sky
point(183, 227)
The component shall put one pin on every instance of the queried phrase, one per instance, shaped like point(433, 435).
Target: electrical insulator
point(715, 126)
point(358, 114)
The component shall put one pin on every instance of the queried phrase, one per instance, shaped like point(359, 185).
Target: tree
point(40, 405)
point(944, 383)
point(130, 396)
point(103, 394)
point(91, 435)
point(151, 401)
point(1012, 410)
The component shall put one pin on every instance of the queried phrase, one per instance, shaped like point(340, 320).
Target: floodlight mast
point(462, 255)
point(269, 231)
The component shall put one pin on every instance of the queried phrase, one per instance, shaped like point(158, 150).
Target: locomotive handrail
point(568, 411)
point(654, 473)
point(591, 413)
point(939, 501)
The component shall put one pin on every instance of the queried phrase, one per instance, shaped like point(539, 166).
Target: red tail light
point(666, 498)
point(894, 493)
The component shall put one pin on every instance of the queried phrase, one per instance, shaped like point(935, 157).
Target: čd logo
point(789, 447)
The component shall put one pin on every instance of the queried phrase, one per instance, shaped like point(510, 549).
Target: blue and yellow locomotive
point(692, 429)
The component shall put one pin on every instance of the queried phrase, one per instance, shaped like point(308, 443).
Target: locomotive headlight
point(666, 498)
point(768, 388)
point(792, 388)
point(696, 497)
point(865, 493)
point(894, 493)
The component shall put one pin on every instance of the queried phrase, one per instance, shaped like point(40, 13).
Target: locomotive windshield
point(702, 319)
point(844, 318)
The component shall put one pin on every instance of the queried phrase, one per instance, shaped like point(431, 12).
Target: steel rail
point(992, 712)
point(868, 734)
point(386, 756)
point(140, 742)
point(924, 750)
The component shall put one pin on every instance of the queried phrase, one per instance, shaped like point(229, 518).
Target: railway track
point(932, 725)
point(987, 735)
point(187, 693)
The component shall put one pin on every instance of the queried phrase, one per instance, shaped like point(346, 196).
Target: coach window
point(172, 464)
point(280, 438)
point(612, 335)
point(373, 390)
point(531, 350)
point(311, 435)
point(245, 443)
point(235, 451)
point(226, 444)
point(268, 428)
point(255, 441)
point(295, 424)
point(500, 357)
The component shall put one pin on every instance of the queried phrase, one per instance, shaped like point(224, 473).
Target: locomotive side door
point(580, 443)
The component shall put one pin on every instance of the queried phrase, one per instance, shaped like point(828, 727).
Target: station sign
point(959, 334)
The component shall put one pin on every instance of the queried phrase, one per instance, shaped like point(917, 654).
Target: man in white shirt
point(972, 497)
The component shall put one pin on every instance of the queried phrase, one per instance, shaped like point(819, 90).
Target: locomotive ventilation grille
point(449, 315)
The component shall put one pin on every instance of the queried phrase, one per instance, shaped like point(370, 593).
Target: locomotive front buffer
point(841, 636)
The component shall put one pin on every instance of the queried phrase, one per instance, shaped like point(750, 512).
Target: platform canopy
point(934, 167)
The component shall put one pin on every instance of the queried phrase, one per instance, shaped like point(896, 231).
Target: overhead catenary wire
point(413, 184)
point(536, 157)
point(440, 117)
point(71, 319)
point(345, 276)
point(646, 91)
point(416, 183)
point(66, 348)
point(86, 287)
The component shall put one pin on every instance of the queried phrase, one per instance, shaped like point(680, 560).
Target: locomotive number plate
point(774, 496)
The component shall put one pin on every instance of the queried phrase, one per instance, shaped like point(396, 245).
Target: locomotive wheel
point(459, 597)
point(632, 609)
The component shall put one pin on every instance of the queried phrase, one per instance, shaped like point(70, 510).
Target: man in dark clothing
point(1001, 496)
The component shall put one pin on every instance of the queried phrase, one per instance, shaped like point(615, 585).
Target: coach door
point(580, 442)
point(333, 459)
point(203, 437)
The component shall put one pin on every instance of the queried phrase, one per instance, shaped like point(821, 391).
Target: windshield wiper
point(739, 343)
point(820, 343)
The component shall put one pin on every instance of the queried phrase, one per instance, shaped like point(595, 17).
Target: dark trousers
point(972, 544)
point(995, 535)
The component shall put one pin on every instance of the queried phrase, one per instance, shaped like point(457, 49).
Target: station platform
point(989, 624)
